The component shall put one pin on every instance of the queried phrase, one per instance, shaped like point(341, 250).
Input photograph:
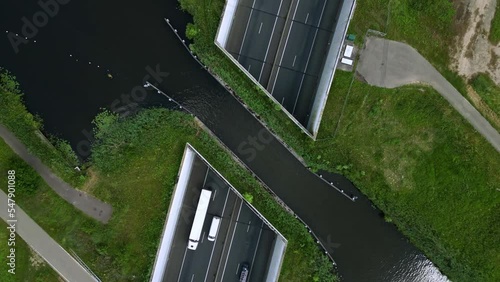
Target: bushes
point(27, 127)
point(191, 31)
point(248, 197)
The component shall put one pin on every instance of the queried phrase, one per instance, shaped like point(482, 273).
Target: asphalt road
point(242, 236)
point(283, 45)
point(391, 64)
point(88, 204)
point(250, 240)
point(261, 36)
point(62, 262)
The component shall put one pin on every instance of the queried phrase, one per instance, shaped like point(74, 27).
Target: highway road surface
point(242, 238)
point(283, 45)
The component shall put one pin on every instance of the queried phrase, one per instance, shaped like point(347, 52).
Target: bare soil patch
point(473, 52)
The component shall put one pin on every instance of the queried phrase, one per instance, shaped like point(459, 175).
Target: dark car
point(245, 269)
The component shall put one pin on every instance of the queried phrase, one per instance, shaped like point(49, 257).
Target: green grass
point(425, 166)
point(25, 269)
point(406, 148)
point(426, 25)
point(142, 147)
point(136, 162)
point(495, 26)
point(488, 90)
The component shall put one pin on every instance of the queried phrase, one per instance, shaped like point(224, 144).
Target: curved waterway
point(97, 54)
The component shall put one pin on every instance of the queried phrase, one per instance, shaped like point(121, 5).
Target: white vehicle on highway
point(214, 228)
point(199, 218)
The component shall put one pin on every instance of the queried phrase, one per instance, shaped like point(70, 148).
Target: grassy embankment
point(406, 148)
point(488, 90)
point(495, 26)
point(29, 266)
point(55, 153)
point(485, 95)
point(135, 164)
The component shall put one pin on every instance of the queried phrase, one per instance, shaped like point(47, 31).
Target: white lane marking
point(246, 29)
point(237, 268)
point(255, 253)
point(307, 17)
point(283, 100)
point(260, 28)
point(225, 202)
point(308, 58)
point(248, 227)
point(249, 67)
point(215, 193)
point(284, 49)
point(232, 237)
point(213, 247)
point(206, 175)
point(294, 59)
point(294, 13)
point(270, 39)
point(182, 265)
point(202, 237)
point(192, 278)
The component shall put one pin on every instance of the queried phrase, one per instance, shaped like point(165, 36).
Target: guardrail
point(83, 264)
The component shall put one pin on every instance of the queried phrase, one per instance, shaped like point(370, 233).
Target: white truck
point(199, 219)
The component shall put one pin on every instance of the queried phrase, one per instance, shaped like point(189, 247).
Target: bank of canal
point(94, 54)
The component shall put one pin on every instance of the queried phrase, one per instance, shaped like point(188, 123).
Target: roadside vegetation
point(426, 25)
point(55, 153)
point(425, 167)
point(406, 148)
point(495, 26)
point(488, 91)
point(134, 166)
point(29, 265)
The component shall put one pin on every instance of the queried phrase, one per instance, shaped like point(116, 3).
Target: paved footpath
point(86, 203)
point(62, 262)
point(391, 64)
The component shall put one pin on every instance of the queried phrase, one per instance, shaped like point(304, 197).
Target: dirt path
point(474, 52)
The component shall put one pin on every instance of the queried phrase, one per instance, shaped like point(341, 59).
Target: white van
point(214, 228)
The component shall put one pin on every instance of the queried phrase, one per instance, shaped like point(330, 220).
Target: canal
point(97, 54)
